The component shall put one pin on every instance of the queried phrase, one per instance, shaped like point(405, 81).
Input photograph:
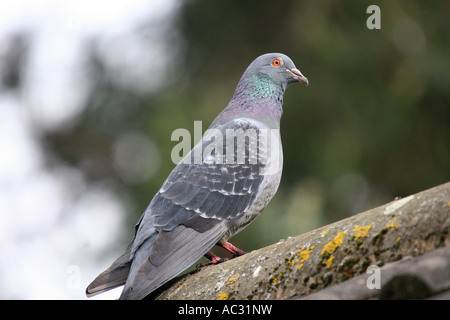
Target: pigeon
point(215, 191)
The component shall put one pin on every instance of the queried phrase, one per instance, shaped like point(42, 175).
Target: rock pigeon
point(215, 191)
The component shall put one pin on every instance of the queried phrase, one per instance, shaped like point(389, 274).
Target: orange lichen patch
point(391, 225)
point(329, 261)
point(231, 280)
point(291, 263)
point(361, 231)
point(304, 255)
point(331, 246)
point(222, 296)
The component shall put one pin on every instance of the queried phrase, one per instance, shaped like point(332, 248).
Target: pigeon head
point(260, 90)
point(277, 68)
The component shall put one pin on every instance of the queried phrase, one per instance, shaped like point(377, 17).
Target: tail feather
point(115, 276)
point(171, 253)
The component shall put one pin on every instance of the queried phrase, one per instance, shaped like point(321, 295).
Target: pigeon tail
point(170, 253)
point(115, 276)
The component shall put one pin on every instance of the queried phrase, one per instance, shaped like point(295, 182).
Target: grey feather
point(185, 246)
point(115, 276)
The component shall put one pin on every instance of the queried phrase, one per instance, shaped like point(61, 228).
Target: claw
point(213, 259)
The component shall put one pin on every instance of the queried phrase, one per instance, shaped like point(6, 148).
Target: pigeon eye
point(277, 62)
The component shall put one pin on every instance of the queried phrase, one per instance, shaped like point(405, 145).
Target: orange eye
point(277, 62)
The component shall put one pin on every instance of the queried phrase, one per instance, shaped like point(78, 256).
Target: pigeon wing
point(192, 211)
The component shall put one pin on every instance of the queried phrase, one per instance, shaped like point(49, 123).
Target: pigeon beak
point(298, 76)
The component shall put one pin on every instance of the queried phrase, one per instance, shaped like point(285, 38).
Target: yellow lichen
point(331, 246)
point(324, 232)
point(231, 280)
point(391, 224)
point(304, 254)
point(174, 292)
point(222, 296)
point(361, 231)
point(291, 263)
point(329, 261)
point(398, 240)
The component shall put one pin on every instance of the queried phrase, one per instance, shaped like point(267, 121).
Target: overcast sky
point(55, 228)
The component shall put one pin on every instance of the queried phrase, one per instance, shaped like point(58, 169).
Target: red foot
point(232, 249)
point(213, 259)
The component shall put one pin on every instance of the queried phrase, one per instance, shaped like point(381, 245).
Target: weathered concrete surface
point(301, 265)
point(425, 276)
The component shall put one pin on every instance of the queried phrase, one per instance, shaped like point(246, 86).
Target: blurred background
point(90, 92)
